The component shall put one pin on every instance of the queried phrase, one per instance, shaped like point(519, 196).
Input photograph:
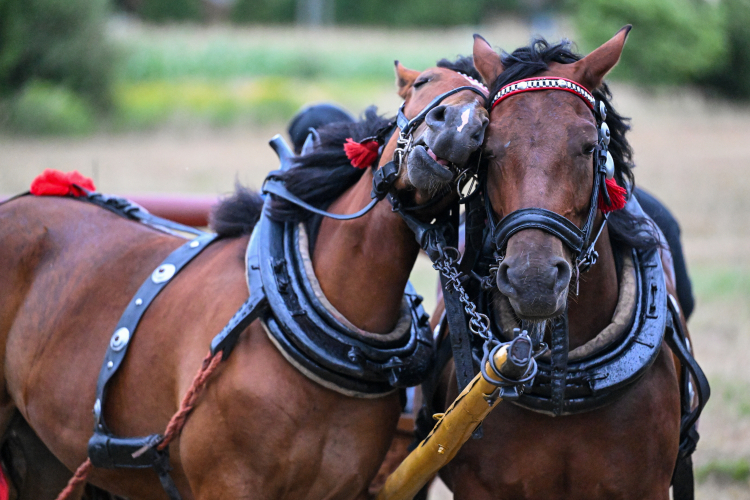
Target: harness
point(562, 387)
point(285, 295)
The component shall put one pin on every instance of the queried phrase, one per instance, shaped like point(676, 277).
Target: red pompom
point(56, 183)
point(616, 196)
point(361, 154)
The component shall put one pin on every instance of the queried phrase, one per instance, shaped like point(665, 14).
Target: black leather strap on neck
point(559, 362)
point(276, 187)
point(131, 317)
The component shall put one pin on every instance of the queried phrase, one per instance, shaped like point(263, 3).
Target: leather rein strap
point(683, 485)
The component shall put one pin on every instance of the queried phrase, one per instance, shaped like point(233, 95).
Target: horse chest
point(593, 455)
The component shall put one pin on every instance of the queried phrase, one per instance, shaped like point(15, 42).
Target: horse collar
point(314, 337)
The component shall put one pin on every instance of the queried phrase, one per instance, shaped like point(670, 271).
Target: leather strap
point(539, 218)
point(276, 187)
point(473, 234)
point(251, 310)
point(459, 335)
point(408, 126)
point(682, 479)
point(133, 211)
point(162, 468)
point(109, 452)
point(676, 340)
point(683, 482)
point(559, 358)
point(131, 317)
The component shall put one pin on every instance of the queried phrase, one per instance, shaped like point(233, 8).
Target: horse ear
point(404, 79)
point(486, 60)
point(591, 70)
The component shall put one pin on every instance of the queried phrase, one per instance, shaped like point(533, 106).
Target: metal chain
point(479, 323)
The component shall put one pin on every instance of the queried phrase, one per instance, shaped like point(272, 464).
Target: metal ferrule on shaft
point(452, 430)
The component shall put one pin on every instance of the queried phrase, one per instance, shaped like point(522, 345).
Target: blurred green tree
point(161, 11)
point(673, 41)
point(376, 12)
point(263, 11)
point(732, 77)
point(61, 42)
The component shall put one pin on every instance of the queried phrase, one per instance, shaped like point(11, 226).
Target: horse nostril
point(564, 274)
point(436, 117)
point(503, 282)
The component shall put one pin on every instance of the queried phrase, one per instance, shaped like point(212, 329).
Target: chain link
point(479, 323)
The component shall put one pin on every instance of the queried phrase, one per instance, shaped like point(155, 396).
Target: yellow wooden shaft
point(450, 433)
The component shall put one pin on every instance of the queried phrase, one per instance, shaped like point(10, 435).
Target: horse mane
point(624, 228)
point(317, 177)
point(462, 64)
point(322, 175)
point(237, 214)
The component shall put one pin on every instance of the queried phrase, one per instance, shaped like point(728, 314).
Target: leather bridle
point(578, 240)
point(383, 178)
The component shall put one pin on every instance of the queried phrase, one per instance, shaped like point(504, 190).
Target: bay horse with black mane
point(610, 412)
point(264, 426)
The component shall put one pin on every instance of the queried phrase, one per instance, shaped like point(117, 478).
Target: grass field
point(692, 153)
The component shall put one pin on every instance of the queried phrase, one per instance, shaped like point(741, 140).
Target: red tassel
point(361, 154)
point(56, 183)
point(616, 196)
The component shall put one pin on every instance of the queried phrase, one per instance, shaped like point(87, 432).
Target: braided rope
point(174, 427)
point(78, 478)
point(177, 422)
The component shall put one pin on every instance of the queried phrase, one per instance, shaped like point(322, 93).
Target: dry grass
point(692, 153)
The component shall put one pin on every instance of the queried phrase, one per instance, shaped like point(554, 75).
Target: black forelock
point(462, 64)
point(525, 62)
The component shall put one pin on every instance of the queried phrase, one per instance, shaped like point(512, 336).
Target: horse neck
point(592, 310)
point(363, 264)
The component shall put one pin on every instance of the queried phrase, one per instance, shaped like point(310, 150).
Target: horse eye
point(420, 83)
point(589, 149)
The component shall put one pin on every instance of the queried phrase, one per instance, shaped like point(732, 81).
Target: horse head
point(449, 133)
point(543, 175)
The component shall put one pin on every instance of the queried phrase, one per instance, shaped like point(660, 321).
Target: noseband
point(578, 240)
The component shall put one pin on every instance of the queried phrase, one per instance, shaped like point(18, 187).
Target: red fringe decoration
point(56, 183)
point(361, 155)
point(616, 196)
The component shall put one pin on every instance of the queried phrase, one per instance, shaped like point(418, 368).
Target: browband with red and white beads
point(544, 83)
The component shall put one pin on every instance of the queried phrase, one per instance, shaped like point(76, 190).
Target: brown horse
point(261, 428)
point(540, 147)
